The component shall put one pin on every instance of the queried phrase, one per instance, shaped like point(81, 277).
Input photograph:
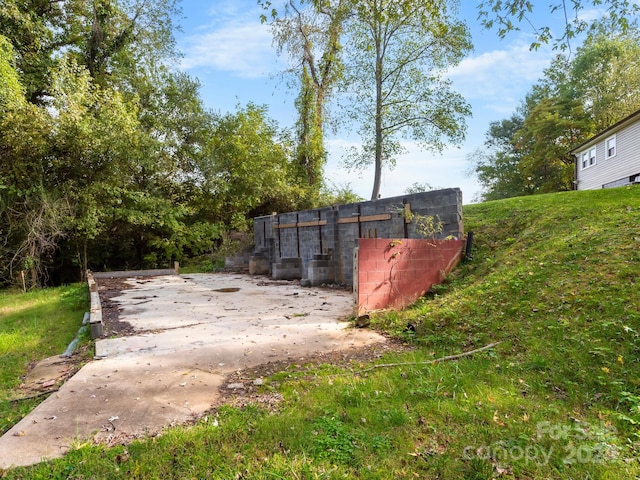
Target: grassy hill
point(554, 278)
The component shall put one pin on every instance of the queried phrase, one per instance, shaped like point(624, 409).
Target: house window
point(588, 158)
point(610, 146)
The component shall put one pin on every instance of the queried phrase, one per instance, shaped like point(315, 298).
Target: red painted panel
point(377, 276)
point(397, 272)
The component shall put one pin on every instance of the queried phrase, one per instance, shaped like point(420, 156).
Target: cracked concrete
point(190, 331)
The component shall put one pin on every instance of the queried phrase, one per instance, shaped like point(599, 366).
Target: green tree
point(310, 32)
point(396, 54)
point(337, 194)
point(248, 169)
point(552, 127)
point(605, 75)
point(108, 158)
point(577, 97)
point(32, 27)
point(497, 163)
point(417, 187)
point(94, 133)
point(507, 15)
point(30, 219)
point(116, 39)
point(118, 147)
point(11, 90)
point(128, 173)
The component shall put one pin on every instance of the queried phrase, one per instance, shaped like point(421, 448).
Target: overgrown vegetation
point(108, 157)
point(34, 326)
point(553, 277)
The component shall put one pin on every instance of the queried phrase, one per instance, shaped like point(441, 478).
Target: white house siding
point(625, 163)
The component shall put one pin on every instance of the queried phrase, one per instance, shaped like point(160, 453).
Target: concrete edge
point(95, 311)
point(95, 308)
point(137, 273)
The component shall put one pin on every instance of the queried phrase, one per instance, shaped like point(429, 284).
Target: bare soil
point(109, 288)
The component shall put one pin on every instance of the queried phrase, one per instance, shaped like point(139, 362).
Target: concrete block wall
point(263, 243)
point(262, 232)
point(321, 270)
point(395, 273)
point(335, 231)
point(287, 269)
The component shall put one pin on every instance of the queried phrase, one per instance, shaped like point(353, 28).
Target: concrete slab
point(191, 331)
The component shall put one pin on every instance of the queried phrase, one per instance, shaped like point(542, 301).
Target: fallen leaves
point(497, 420)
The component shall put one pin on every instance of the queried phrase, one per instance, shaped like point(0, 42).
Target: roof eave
point(607, 131)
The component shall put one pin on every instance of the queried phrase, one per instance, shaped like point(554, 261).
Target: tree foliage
point(507, 16)
point(11, 91)
point(497, 164)
point(605, 75)
point(108, 159)
point(389, 57)
point(248, 170)
point(310, 32)
point(397, 52)
point(576, 98)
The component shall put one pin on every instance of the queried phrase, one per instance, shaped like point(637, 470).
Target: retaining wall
point(334, 232)
point(394, 273)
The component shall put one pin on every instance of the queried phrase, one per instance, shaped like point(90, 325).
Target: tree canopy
point(507, 15)
point(577, 97)
point(310, 32)
point(108, 158)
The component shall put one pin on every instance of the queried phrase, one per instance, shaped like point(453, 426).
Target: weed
point(333, 441)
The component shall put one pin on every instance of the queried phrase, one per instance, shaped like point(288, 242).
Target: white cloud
point(241, 48)
point(500, 78)
point(589, 15)
point(229, 37)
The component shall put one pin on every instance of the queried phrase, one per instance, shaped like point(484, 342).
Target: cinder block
point(259, 265)
point(289, 268)
point(97, 329)
point(321, 271)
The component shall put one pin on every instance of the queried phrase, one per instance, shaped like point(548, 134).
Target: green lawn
point(554, 278)
point(33, 326)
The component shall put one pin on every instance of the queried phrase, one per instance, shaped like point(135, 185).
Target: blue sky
point(227, 48)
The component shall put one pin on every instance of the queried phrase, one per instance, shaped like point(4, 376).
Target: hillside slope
point(558, 278)
point(554, 278)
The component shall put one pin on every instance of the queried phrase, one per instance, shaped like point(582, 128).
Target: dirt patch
point(244, 387)
point(46, 376)
point(108, 288)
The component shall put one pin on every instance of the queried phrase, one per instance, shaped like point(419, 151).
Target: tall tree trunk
point(377, 179)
